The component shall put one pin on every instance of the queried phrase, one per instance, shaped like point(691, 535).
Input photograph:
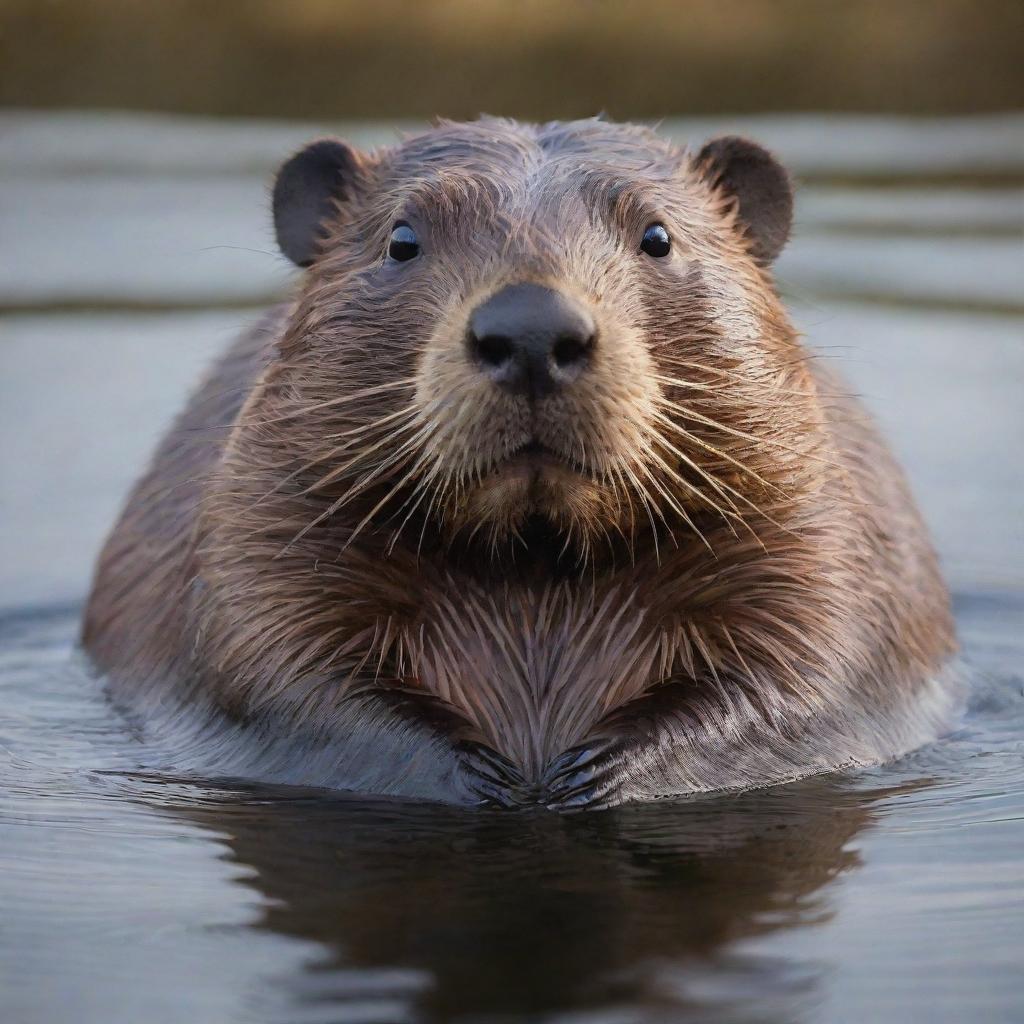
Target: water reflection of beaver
point(639, 907)
point(532, 493)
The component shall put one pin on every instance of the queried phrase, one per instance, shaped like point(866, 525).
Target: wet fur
point(737, 591)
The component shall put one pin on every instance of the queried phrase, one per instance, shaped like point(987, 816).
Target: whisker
point(422, 489)
point(332, 403)
point(335, 474)
point(752, 438)
point(708, 447)
point(676, 507)
point(338, 471)
point(719, 487)
point(641, 493)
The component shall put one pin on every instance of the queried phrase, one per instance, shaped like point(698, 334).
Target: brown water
point(132, 250)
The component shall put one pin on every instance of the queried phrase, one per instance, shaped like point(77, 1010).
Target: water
point(132, 250)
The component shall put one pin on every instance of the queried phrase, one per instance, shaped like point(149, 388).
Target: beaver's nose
point(531, 340)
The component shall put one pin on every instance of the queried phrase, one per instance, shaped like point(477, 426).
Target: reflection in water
point(447, 911)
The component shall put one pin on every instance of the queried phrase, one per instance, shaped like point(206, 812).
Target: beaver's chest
point(535, 671)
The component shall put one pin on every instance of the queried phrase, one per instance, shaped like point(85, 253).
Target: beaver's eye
point(402, 245)
point(656, 241)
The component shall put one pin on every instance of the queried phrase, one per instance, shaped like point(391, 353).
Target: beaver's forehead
point(517, 157)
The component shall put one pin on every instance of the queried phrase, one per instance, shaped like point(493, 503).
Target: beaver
point(531, 493)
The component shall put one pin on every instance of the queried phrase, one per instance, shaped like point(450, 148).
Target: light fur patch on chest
point(535, 675)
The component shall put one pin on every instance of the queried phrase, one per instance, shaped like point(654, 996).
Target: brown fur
point(329, 515)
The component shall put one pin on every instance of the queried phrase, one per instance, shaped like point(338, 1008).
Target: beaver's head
point(511, 333)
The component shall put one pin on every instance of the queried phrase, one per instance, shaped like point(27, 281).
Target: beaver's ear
point(760, 186)
point(304, 194)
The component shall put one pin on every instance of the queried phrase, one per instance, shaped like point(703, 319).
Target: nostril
point(529, 339)
point(493, 349)
point(570, 349)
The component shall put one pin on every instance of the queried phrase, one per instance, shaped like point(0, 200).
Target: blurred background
point(525, 58)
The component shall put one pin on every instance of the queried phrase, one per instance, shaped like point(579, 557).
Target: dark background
point(528, 58)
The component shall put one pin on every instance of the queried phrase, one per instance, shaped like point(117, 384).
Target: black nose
point(531, 340)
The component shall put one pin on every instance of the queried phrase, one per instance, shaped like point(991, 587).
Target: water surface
point(133, 249)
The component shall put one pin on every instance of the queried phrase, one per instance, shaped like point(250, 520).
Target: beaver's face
point(509, 327)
